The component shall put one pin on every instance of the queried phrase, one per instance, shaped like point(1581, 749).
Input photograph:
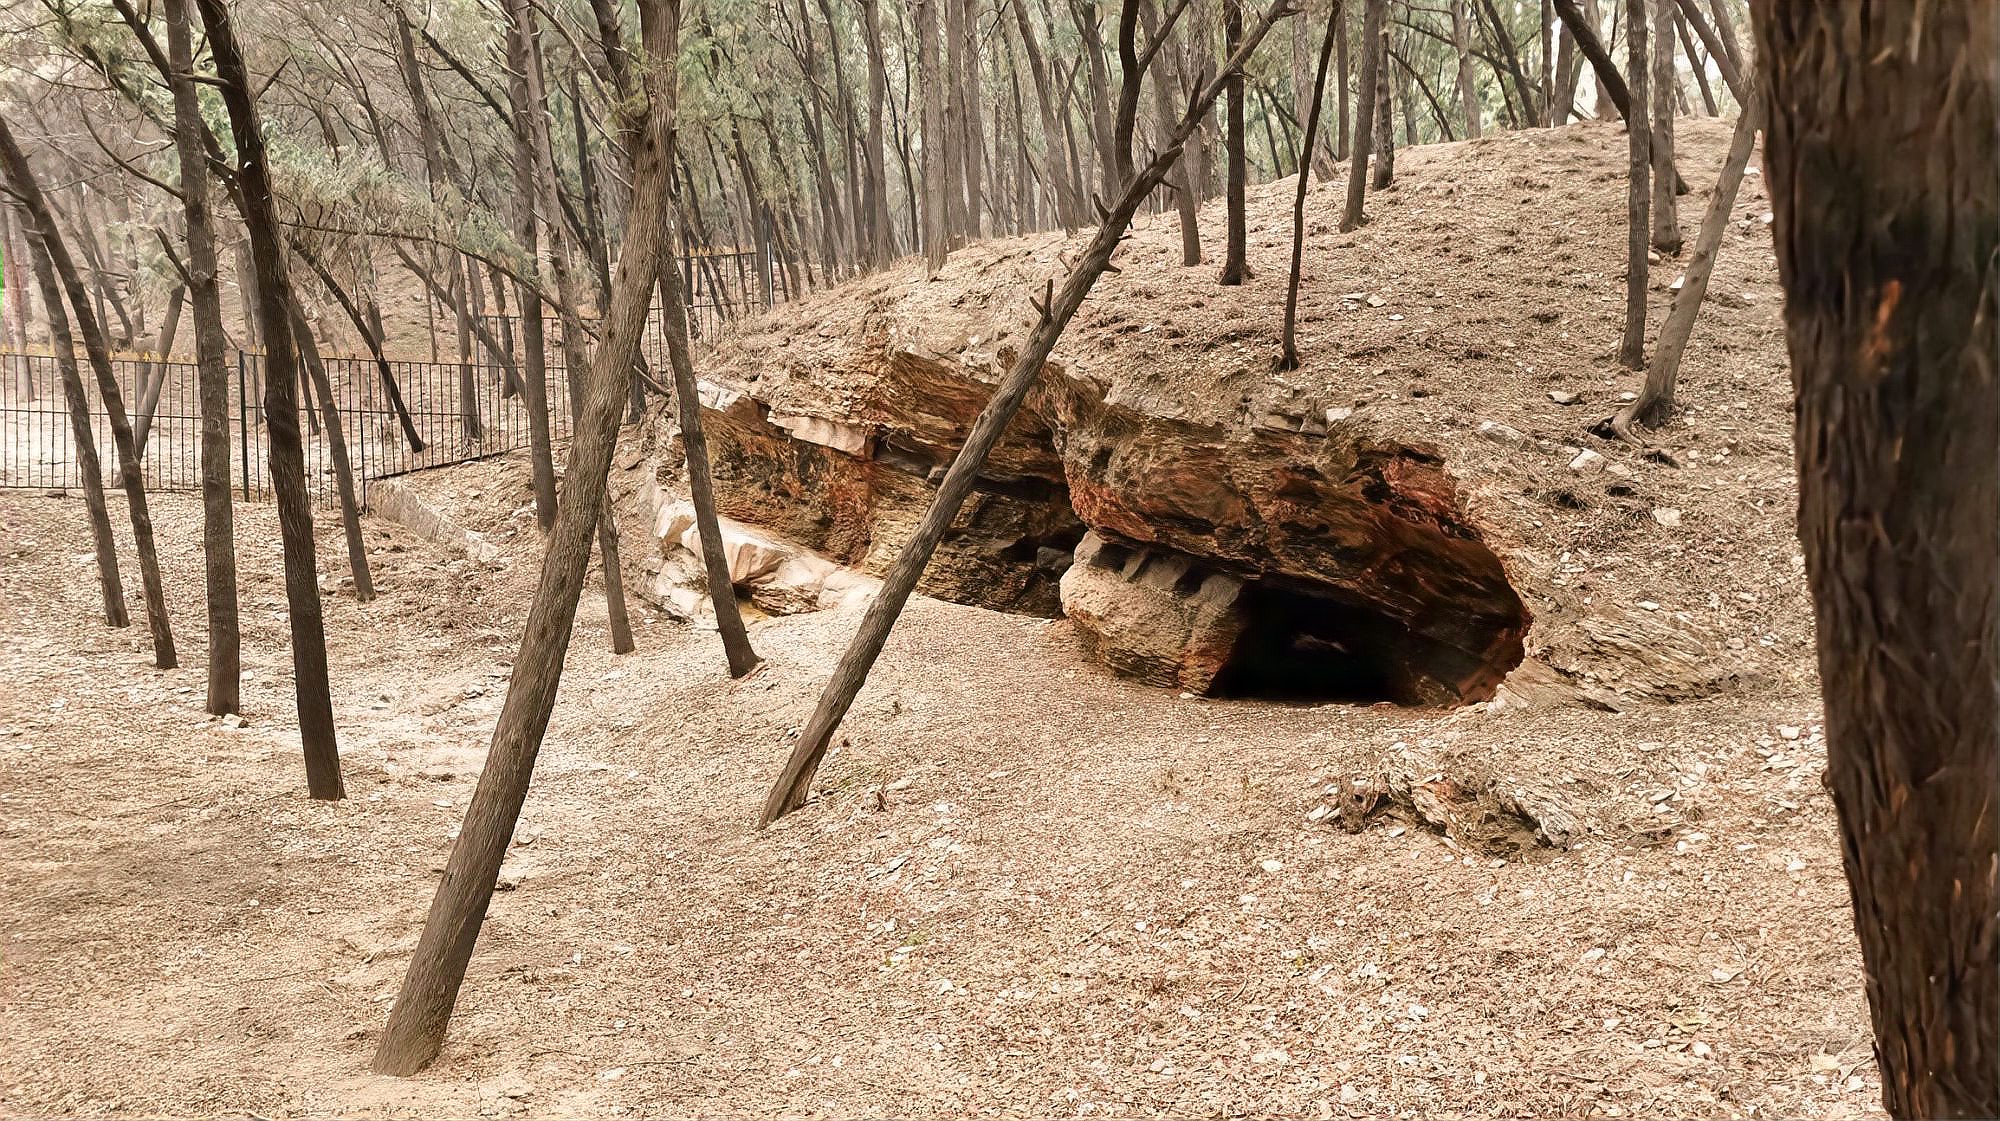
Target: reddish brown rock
point(1357, 574)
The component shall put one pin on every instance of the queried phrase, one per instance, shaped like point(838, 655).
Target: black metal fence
point(457, 413)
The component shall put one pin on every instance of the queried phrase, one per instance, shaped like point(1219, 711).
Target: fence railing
point(457, 411)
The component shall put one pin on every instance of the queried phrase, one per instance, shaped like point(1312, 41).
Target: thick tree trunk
point(423, 1007)
point(789, 792)
point(281, 412)
point(218, 530)
point(14, 166)
point(1660, 138)
point(1655, 402)
point(64, 345)
point(1236, 237)
point(1881, 164)
point(1638, 192)
point(1364, 112)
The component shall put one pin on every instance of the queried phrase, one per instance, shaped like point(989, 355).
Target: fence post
point(243, 421)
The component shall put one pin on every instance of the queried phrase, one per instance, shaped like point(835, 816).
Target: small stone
point(1667, 516)
point(231, 720)
point(1376, 301)
point(1701, 1050)
point(1648, 605)
point(1587, 460)
point(1788, 732)
point(1563, 397)
point(1502, 434)
point(1272, 865)
point(1348, 1094)
point(1628, 395)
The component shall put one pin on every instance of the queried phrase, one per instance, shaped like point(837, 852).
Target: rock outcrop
point(1300, 555)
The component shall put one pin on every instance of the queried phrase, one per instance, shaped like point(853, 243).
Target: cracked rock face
point(1292, 557)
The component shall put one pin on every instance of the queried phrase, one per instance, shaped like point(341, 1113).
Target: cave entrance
point(1310, 648)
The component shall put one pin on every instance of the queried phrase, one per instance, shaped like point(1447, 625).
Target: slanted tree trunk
point(336, 442)
point(1719, 50)
point(14, 166)
point(1638, 193)
point(1725, 30)
point(371, 338)
point(64, 345)
point(1881, 165)
point(281, 410)
point(736, 649)
point(1655, 402)
point(1468, 89)
point(1167, 93)
point(789, 792)
point(423, 1007)
point(1660, 138)
point(1697, 66)
point(1288, 358)
point(1236, 236)
point(1364, 112)
point(156, 372)
point(218, 530)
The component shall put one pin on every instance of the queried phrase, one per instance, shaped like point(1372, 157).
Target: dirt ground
point(1028, 888)
point(1077, 895)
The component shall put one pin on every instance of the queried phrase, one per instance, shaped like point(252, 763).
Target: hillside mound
point(1457, 351)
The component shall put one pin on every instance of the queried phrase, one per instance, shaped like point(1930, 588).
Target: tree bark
point(534, 356)
point(1236, 237)
point(791, 788)
point(1697, 66)
point(1468, 90)
point(1881, 165)
point(14, 166)
point(156, 374)
point(1364, 113)
point(937, 232)
point(1660, 138)
point(281, 412)
point(218, 529)
point(1718, 49)
point(1385, 118)
point(423, 1007)
point(1638, 192)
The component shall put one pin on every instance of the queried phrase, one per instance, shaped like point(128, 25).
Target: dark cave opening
point(1302, 647)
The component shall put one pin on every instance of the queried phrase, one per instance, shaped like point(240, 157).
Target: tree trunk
point(1546, 42)
point(1167, 92)
point(423, 1007)
point(1655, 402)
point(1289, 345)
point(1660, 138)
point(218, 530)
point(1364, 112)
point(1696, 65)
point(336, 441)
point(792, 786)
point(1341, 143)
point(1385, 119)
point(1236, 237)
point(281, 412)
point(534, 357)
point(937, 231)
point(1638, 192)
point(972, 93)
point(1069, 196)
point(1468, 90)
point(1565, 106)
point(156, 375)
point(882, 231)
point(1881, 164)
point(1719, 50)
point(64, 345)
point(14, 165)
point(736, 648)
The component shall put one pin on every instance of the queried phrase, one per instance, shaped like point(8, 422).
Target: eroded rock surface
point(1302, 554)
